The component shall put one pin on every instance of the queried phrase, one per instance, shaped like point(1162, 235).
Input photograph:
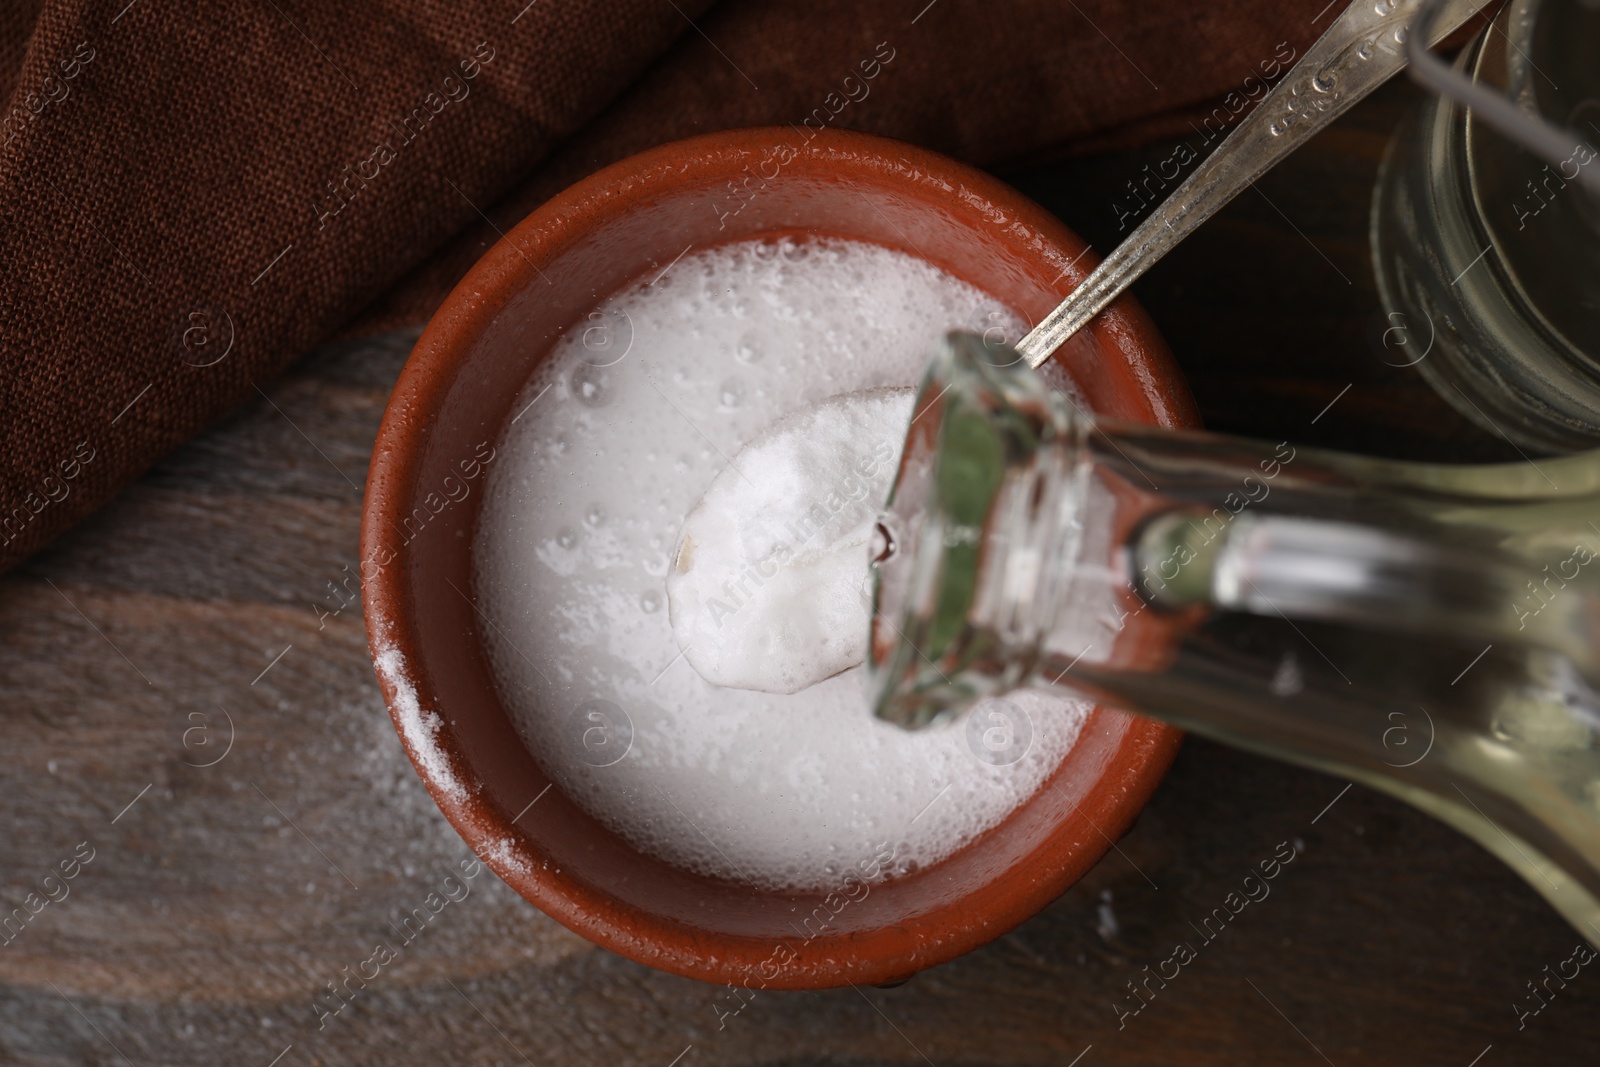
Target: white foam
point(647, 403)
point(767, 586)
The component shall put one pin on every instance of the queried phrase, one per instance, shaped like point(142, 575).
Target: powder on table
point(647, 400)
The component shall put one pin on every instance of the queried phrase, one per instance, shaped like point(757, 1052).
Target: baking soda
point(768, 589)
point(637, 413)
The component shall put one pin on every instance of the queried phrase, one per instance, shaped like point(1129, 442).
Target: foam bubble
point(757, 787)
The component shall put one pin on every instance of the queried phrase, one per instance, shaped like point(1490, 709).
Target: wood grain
point(220, 899)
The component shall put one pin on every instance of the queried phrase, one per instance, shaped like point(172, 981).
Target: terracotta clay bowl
point(425, 487)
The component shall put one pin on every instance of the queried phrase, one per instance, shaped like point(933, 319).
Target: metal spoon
point(1360, 51)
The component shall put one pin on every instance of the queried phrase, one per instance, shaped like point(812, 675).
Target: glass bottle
point(1430, 631)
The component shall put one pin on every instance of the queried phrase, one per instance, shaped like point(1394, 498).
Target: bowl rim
point(1140, 758)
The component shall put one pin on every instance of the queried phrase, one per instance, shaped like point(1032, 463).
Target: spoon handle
point(1358, 53)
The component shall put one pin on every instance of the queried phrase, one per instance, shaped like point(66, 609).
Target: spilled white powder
point(418, 725)
point(768, 586)
point(626, 426)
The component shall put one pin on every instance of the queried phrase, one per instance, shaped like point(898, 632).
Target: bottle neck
point(1427, 630)
point(1186, 525)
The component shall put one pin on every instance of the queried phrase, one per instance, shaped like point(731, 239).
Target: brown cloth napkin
point(194, 195)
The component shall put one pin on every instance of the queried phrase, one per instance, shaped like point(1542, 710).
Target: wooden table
point(227, 885)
